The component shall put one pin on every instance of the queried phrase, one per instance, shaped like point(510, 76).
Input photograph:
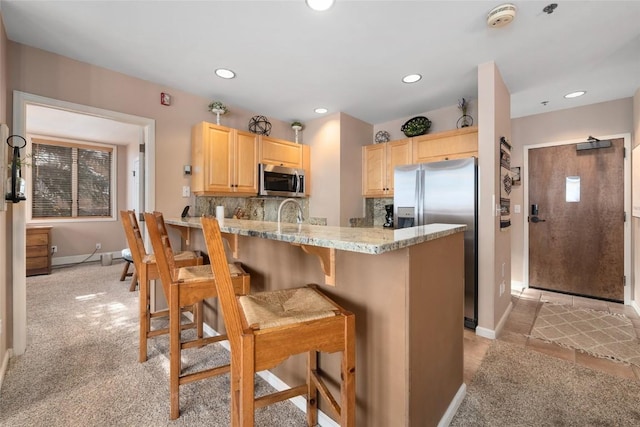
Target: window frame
point(27, 171)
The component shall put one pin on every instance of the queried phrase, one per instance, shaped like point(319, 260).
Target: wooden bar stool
point(187, 286)
point(266, 328)
point(146, 269)
point(128, 260)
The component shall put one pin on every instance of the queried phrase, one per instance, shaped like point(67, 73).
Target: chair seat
point(126, 255)
point(284, 307)
point(203, 272)
point(178, 256)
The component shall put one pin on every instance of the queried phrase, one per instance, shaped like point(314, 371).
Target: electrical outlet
point(54, 249)
point(98, 245)
point(186, 191)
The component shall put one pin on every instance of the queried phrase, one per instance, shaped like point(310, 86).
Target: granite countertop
point(363, 240)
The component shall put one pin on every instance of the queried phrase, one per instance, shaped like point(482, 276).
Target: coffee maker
point(388, 218)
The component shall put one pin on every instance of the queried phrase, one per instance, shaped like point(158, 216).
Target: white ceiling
point(290, 59)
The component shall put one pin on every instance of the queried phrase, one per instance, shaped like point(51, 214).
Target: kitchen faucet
point(284, 202)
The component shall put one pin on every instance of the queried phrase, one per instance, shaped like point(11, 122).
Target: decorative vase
point(464, 121)
point(217, 112)
point(296, 129)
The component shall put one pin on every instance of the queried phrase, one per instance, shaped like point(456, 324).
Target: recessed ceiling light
point(320, 5)
point(321, 110)
point(411, 78)
point(575, 94)
point(225, 74)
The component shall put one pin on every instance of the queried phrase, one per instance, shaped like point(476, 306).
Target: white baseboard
point(301, 403)
point(453, 406)
point(493, 334)
point(517, 285)
point(636, 307)
point(76, 259)
point(5, 365)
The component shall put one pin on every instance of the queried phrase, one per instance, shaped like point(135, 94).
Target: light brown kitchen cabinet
point(279, 152)
point(449, 145)
point(38, 250)
point(224, 161)
point(378, 162)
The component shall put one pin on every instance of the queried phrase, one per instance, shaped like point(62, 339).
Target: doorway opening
point(21, 102)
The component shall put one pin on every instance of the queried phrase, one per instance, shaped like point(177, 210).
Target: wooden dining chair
point(184, 287)
point(146, 270)
point(266, 328)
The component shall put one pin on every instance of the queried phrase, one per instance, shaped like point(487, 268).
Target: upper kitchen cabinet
point(449, 145)
point(378, 162)
point(224, 161)
point(281, 153)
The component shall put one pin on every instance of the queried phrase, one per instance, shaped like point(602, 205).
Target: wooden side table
point(38, 250)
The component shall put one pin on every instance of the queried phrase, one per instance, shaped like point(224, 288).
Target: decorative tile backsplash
point(255, 208)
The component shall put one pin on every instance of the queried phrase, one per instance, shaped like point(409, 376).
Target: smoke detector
point(501, 15)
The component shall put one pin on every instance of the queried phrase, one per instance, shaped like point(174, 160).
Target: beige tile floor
point(526, 305)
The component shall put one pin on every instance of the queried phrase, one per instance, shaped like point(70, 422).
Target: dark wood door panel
point(579, 247)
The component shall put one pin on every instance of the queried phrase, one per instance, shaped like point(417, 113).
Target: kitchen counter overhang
point(353, 239)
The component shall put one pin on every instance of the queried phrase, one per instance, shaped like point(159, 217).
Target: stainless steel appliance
point(443, 192)
point(281, 181)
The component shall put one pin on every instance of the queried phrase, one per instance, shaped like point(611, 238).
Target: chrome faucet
point(284, 202)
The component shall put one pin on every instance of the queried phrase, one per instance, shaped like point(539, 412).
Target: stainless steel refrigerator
point(443, 192)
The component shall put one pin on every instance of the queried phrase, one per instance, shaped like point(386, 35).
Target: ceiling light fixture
point(575, 94)
point(225, 74)
point(320, 110)
point(411, 78)
point(320, 5)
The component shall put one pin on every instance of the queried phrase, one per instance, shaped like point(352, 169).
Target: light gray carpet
point(81, 367)
point(516, 387)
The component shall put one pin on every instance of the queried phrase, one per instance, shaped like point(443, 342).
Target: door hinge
point(141, 148)
point(624, 217)
point(624, 280)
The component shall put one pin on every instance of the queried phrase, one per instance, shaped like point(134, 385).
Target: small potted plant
point(218, 108)
point(297, 127)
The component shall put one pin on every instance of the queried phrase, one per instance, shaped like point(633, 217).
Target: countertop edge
point(363, 240)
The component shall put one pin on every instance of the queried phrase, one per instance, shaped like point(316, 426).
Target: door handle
point(535, 219)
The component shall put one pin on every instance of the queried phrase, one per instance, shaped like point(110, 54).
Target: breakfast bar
point(405, 287)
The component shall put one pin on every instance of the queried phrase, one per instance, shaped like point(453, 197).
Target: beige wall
point(441, 120)
point(354, 133)
point(494, 246)
point(5, 220)
point(635, 231)
point(607, 118)
point(336, 163)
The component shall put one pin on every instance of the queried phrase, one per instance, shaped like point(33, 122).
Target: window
point(71, 180)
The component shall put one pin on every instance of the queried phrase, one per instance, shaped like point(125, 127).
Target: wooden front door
point(576, 237)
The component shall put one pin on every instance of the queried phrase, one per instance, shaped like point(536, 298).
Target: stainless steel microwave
point(281, 181)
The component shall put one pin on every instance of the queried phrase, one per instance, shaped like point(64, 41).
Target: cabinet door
point(280, 152)
point(373, 170)
point(246, 163)
point(218, 152)
point(446, 145)
point(398, 153)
